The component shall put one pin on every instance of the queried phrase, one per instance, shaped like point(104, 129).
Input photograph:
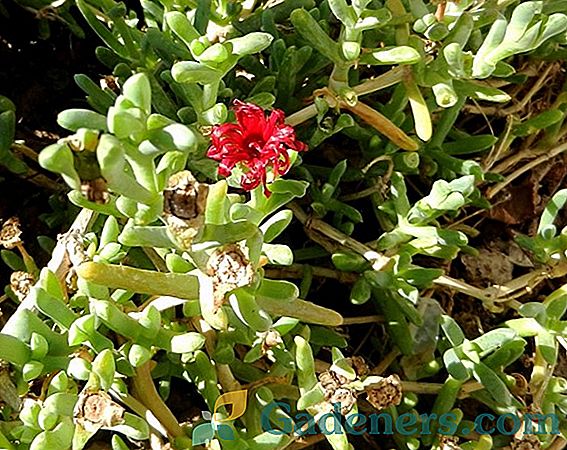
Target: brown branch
point(503, 112)
point(332, 239)
point(297, 271)
point(363, 320)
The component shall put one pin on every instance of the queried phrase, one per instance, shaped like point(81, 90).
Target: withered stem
point(559, 443)
point(362, 320)
point(383, 81)
point(306, 442)
point(381, 124)
point(297, 271)
point(332, 239)
point(385, 363)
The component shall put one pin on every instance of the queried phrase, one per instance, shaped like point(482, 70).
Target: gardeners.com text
point(407, 424)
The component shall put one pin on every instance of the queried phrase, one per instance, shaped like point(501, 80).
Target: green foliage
point(386, 181)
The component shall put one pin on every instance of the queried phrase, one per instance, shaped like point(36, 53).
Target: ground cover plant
point(296, 224)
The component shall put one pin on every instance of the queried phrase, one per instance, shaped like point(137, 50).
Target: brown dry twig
point(297, 271)
point(503, 112)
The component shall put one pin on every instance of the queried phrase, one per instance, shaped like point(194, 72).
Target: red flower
point(257, 144)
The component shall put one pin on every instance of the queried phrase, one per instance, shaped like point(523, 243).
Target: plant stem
point(330, 238)
point(526, 167)
point(559, 443)
point(224, 374)
point(435, 388)
point(540, 377)
point(363, 320)
point(24, 150)
point(390, 78)
point(378, 187)
point(297, 271)
point(145, 390)
point(386, 80)
point(60, 263)
point(306, 442)
point(139, 408)
point(339, 77)
point(385, 363)
point(303, 115)
point(503, 112)
point(382, 124)
point(33, 176)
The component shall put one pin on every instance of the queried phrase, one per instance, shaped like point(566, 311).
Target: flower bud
point(351, 50)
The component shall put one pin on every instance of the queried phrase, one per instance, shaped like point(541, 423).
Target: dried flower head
point(360, 366)
point(10, 233)
point(73, 241)
point(345, 397)
point(331, 380)
point(336, 391)
point(448, 443)
point(526, 442)
point(95, 410)
point(184, 196)
point(95, 191)
point(257, 144)
point(229, 268)
point(387, 392)
point(184, 206)
point(73, 245)
point(21, 283)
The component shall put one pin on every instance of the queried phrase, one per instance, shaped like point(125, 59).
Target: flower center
point(254, 143)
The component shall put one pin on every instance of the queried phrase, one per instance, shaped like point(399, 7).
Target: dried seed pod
point(21, 283)
point(184, 197)
point(95, 410)
point(229, 268)
point(109, 82)
point(345, 397)
point(74, 244)
point(184, 207)
point(330, 380)
point(448, 443)
point(336, 391)
point(10, 233)
point(359, 365)
point(526, 442)
point(95, 190)
point(387, 392)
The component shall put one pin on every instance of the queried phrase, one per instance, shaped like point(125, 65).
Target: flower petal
point(256, 144)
